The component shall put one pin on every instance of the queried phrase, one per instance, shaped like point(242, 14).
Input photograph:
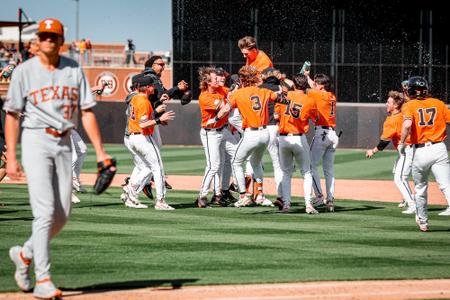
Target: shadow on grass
point(16, 219)
point(129, 285)
point(320, 209)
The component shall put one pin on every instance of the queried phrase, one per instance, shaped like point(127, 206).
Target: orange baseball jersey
point(210, 104)
point(261, 62)
point(429, 118)
point(326, 107)
point(252, 103)
point(294, 117)
point(140, 110)
point(223, 90)
point(392, 129)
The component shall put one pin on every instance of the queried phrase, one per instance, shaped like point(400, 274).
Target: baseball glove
point(106, 171)
point(186, 98)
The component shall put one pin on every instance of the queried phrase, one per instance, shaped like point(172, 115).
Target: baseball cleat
point(402, 204)
point(45, 289)
point(134, 204)
point(233, 188)
point(243, 201)
point(445, 212)
point(310, 209)
point(22, 274)
point(219, 200)
point(202, 202)
point(228, 197)
point(330, 205)
point(148, 191)
point(168, 186)
point(76, 185)
point(317, 201)
point(263, 201)
point(126, 180)
point(286, 208)
point(422, 226)
point(279, 203)
point(75, 199)
point(131, 202)
point(409, 211)
point(161, 204)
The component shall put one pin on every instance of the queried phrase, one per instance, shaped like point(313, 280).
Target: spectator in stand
point(130, 53)
point(82, 48)
point(88, 51)
point(73, 50)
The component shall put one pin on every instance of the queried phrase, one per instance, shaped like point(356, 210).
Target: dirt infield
point(332, 290)
point(369, 190)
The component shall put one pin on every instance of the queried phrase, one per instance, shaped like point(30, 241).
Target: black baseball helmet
point(417, 87)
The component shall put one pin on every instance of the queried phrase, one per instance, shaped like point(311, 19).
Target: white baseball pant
point(227, 150)
point(295, 147)
point(402, 170)
point(147, 150)
point(141, 173)
point(79, 151)
point(323, 147)
point(211, 141)
point(47, 164)
point(434, 158)
point(273, 149)
point(253, 143)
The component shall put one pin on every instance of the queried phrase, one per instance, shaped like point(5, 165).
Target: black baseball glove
point(106, 171)
point(186, 98)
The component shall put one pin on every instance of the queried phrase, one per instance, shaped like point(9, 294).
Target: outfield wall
point(361, 124)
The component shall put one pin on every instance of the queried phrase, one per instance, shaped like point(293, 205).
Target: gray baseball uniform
point(49, 101)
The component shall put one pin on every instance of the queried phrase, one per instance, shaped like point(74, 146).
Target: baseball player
point(272, 79)
point(392, 129)
point(210, 101)
point(49, 90)
point(252, 103)
point(254, 56)
point(141, 121)
point(154, 67)
point(79, 152)
point(227, 147)
point(425, 121)
point(325, 140)
point(294, 124)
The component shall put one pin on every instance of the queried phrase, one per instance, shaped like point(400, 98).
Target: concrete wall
point(361, 124)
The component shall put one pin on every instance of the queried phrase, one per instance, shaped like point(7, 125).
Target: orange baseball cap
point(52, 26)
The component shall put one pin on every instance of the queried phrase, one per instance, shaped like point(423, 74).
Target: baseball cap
point(143, 80)
point(52, 26)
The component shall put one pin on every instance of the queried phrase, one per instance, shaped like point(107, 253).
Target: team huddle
point(258, 110)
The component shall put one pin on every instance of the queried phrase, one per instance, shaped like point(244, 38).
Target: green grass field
point(182, 160)
point(108, 246)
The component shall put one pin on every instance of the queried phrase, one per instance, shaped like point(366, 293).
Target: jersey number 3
point(430, 113)
point(256, 103)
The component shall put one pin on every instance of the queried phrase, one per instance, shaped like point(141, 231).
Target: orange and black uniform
point(252, 103)
point(326, 107)
point(140, 110)
point(429, 118)
point(294, 117)
point(261, 62)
